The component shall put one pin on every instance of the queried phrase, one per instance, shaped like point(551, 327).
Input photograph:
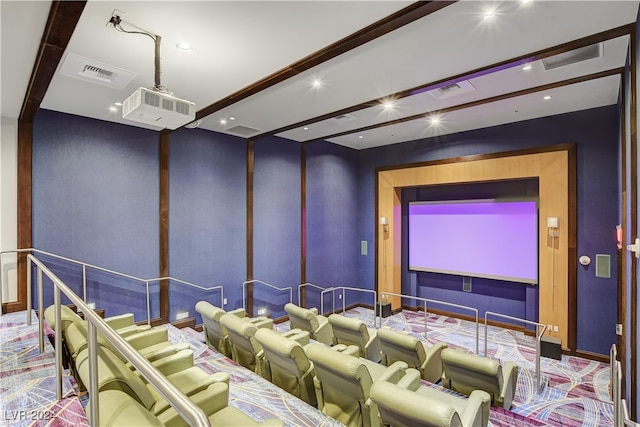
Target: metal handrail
point(538, 337)
point(333, 300)
point(188, 410)
point(434, 301)
point(302, 285)
point(387, 294)
point(244, 291)
point(104, 270)
point(464, 307)
point(183, 282)
point(346, 288)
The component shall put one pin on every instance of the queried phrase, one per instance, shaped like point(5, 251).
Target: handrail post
point(58, 340)
point(148, 303)
point(426, 317)
point(84, 285)
point(477, 334)
point(486, 326)
point(538, 358)
point(94, 417)
point(40, 313)
point(29, 291)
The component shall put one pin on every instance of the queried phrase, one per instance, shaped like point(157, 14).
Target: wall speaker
point(466, 284)
point(603, 265)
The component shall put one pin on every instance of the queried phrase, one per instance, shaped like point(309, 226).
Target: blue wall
point(207, 217)
point(333, 248)
point(95, 199)
point(276, 222)
point(595, 132)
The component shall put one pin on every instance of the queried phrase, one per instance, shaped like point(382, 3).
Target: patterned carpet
point(574, 391)
point(28, 379)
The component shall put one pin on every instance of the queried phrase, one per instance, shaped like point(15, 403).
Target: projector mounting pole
point(158, 86)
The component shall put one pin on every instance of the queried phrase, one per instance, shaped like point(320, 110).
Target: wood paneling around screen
point(553, 166)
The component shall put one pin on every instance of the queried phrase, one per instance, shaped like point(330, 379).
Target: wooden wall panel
point(550, 167)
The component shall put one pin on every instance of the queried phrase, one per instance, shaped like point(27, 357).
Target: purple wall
point(333, 249)
point(207, 217)
point(95, 199)
point(595, 132)
point(276, 222)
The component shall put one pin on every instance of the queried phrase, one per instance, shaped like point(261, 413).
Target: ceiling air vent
point(452, 89)
point(573, 56)
point(342, 119)
point(92, 71)
point(243, 131)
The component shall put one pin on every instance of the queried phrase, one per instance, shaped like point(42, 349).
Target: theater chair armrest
point(120, 321)
point(510, 383)
point(148, 338)
point(324, 333)
point(133, 329)
point(394, 373)
point(175, 363)
point(211, 400)
point(238, 312)
point(411, 380)
point(476, 411)
point(432, 365)
point(317, 385)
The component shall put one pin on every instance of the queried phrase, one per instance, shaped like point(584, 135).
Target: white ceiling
point(237, 43)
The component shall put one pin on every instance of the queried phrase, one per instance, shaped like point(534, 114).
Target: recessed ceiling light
point(119, 104)
point(305, 128)
point(360, 136)
point(527, 67)
point(223, 121)
point(547, 97)
point(184, 46)
point(114, 109)
point(434, 120)
point(316, 83)
point(232, 118)
point(388, 104)
point(489, 13)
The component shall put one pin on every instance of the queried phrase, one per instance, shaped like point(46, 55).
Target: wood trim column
point(633, 299)
point(163, 256)
point(572, 249)
point(25, 213)
point(250, 166)
point(303, 222)
point(622, 253)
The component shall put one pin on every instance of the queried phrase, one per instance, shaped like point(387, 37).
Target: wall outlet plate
point(224, 301)
point(618, 328)
point(262, 311)
point(92, 305)
point(182, 315)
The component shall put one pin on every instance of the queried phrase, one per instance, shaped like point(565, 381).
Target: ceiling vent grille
point(574, 56)
point(342, 119)
point(243, 131)
point(92, 71)
point(452, 89)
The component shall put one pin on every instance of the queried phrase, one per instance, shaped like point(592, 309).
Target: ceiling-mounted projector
point(158, 109)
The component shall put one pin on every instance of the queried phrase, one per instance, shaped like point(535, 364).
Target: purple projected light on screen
point(490, 239)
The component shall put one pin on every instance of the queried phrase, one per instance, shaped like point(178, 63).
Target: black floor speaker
point(386, 308)
point(551, 347)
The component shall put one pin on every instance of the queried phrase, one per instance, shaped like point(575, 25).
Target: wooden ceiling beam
point(62, 21)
